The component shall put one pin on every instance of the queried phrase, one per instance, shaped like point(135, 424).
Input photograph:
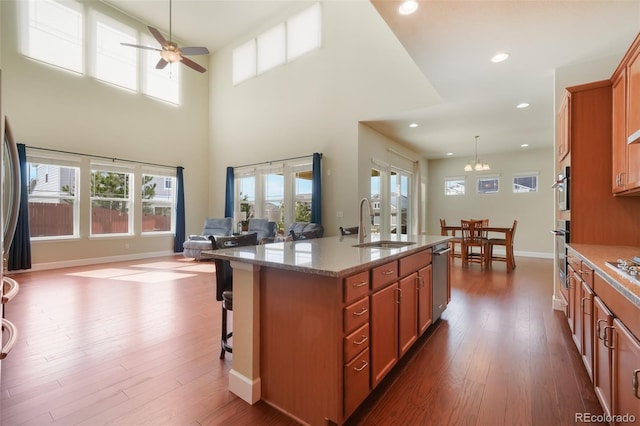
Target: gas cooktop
point(628, 268)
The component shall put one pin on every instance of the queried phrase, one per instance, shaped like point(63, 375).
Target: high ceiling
point(452, 43)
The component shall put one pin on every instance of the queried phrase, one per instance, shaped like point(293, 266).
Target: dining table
point(451, 230)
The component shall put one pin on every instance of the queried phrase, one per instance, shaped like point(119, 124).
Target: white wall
point(534, 211)
point(51, 108)
point(314, 104)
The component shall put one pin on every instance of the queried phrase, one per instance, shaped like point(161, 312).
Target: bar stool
point(224, 282)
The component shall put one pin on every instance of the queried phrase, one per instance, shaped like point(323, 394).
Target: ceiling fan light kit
point(169, 51)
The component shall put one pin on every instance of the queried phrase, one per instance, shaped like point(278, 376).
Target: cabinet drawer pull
point(388, 272)
point(360, 284)
point(634, 383)
point(598, 329)
point(363, 340)
point(365, 364)
point(607, 343)
point(361, 312)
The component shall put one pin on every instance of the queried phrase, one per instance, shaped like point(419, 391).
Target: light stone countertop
point(596, 257)
point(329, 256)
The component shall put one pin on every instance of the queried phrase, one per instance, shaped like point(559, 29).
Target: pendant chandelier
point(478, 165)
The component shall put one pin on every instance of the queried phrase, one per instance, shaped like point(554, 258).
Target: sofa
point(194, 246)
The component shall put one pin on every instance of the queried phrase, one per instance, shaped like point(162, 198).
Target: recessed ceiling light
point(522, 105)
point(500, 57)
point(524, 145)
point(408, 7)
point(449, 153)
point(413, 125)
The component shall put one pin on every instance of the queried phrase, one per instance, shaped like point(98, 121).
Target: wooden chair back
point(472, 232)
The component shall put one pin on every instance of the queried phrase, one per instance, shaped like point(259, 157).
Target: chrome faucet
point(362, 233)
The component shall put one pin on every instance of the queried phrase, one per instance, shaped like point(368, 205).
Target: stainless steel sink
point(385, 244)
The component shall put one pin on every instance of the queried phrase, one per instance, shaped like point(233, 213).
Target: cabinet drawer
point(574, 262)
point(356, 382)
point(414, 262)
point(586, 273)
point(356, 286)
point(384, 274)
point(356, 342)
point(356, 314)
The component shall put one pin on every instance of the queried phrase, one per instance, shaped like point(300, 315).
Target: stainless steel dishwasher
point(440, 270)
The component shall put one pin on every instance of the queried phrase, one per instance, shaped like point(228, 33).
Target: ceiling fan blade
point(161, 64)
point(156, 34)
point(194, 50)
point(188, 62)
point(141, 47)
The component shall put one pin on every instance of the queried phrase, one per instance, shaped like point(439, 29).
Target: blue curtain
point(180, 222)
point(228, 199)
point(316, 189)
point(20, 251)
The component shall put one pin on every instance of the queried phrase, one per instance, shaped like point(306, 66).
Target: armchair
point(263, 228)
point(194, 246)
point(305, 229)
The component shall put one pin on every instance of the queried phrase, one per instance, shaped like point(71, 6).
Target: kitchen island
point(319, 323)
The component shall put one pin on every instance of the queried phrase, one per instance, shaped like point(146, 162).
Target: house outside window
point(158, 203)
point(488, 184)
point(454, 185)
point(53, 193)
point(111, 200)
point(525, 182)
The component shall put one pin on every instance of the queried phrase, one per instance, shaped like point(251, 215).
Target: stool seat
point(227, 300)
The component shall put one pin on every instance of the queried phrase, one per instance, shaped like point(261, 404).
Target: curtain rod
point(277, 161)
point(102, 157)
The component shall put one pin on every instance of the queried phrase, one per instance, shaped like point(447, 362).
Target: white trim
point(558, 304)
point(245, 388)
point(94, 261)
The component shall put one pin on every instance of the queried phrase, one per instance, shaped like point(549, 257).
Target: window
point(525, 182)
point(283, 43)
point(157, 203)
point(161, 84)
point(280, 192)
point(390, 199)
point(244, 62)
point(53, 32)
point(271, 49)
point(454, 186)
point(304, 32)
point(113, 62)
point(488, 184)
point(53, 197)
point(110, 200)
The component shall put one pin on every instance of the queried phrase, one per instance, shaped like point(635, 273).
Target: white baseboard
point(247, 389)
point(540, 255)
point(94, 261)
point(558, 304)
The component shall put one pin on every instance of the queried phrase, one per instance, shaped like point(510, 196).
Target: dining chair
point(454, 240)
point(473, 235)
point(508, 257)
point(224, 281)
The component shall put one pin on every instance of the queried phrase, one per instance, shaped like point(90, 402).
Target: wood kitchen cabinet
point(632, 63)
point(626, 372)
point(408, 312)
point(603, 320)
point(586, 303)
point(425, 283)
point(625, 156)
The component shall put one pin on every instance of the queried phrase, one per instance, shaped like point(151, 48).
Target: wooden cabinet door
point(619, 133)
point(384, 332)
point(424, 299)
point(603, 321)
point(626, 372)
point(408, 313)
point(633, 95)
point(571, 310)
point(586, 306)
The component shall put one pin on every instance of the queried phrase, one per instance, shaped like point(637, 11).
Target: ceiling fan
point(170, 52)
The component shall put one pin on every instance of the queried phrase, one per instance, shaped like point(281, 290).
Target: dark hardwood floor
point(138, 343)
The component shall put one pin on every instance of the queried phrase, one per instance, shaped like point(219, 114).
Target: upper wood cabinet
point(626, 124)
